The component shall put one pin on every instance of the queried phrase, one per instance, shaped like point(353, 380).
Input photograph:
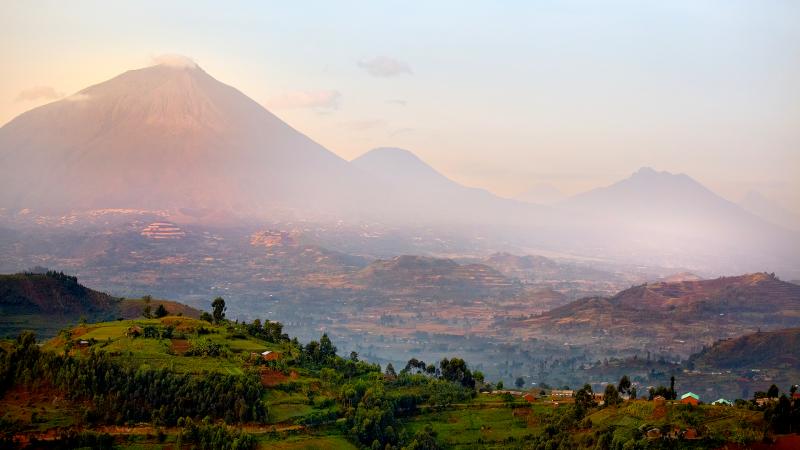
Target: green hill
point(180, 382)
point(46, 302)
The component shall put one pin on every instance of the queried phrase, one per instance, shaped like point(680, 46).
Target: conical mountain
point(171, 137)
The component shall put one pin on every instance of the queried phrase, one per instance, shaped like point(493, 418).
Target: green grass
point(111, 337)
point(305, 442)
point(465, 427)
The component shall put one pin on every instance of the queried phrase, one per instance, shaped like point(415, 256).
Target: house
point(561, 393)
point(269, 355)
point(721, 402)
point(653, 433)
point(83, 343)
point(690, 398)
point(529, 397)
point(763, 401)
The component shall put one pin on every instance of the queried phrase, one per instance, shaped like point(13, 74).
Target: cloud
point(39, 93)
point(323, 99)
point(79, 97)
point(397, 101)
point(173, 60)
point(384, 66)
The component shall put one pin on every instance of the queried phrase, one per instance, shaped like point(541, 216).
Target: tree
point(672, 394)
point(146, 312)
point(206, 316)
point(456, 370)
point(354, 356)
point(519, 382)
point(326, 347)
point(584, 398)
point(624, 386)
point(773, 392)
point(161, 311)
point(500, 384)
point(219, 308)
point(611, 396)
point(390, 373)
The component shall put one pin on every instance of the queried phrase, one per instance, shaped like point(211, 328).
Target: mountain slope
point(432, 195)
point(51, 293)
point(686, 224)
point(435, 276)
point(758, 350)
point(45, 302)
point(166, 137)
point(680, 316)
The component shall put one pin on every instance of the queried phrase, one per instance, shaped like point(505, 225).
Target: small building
point(721, 402)
point(690, 398)
point(562, 393)
point(83, 343)
point(653, 433)
point(269, 355)
point(529, 397)
point(763, 401)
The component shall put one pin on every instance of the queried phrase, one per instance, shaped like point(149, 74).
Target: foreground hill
point(763, 349)
point(677, 316)
point(177, 382)
point(48, 301)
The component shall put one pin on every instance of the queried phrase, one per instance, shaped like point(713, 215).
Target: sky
point(501, 95)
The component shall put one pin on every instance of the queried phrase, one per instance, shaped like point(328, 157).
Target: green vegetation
point(175, 381)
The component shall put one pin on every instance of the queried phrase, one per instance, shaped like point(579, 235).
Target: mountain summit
point(165, 137)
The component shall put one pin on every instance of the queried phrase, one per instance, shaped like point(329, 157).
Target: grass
point(111, 337)
point(306, 442)
point(466, 426)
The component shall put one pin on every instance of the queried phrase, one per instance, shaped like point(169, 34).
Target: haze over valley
point(479, 231)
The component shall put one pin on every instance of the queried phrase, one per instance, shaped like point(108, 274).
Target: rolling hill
point(46, 302)
point(762, 349)
point(434, 276)
point(675, 316)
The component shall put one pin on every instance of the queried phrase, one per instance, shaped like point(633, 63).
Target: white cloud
point(39, 93)
point(323, 99)
point(79, 97)
point(384, 66)
point(173, 60)
point(397, 101)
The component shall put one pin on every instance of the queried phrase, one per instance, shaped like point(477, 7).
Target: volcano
point(168, 137)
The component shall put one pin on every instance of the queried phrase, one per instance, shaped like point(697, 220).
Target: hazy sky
point(502, 95)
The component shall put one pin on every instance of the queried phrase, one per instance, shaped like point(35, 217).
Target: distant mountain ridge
point(172, 139)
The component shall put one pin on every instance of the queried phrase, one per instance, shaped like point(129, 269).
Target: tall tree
point(219, 308)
